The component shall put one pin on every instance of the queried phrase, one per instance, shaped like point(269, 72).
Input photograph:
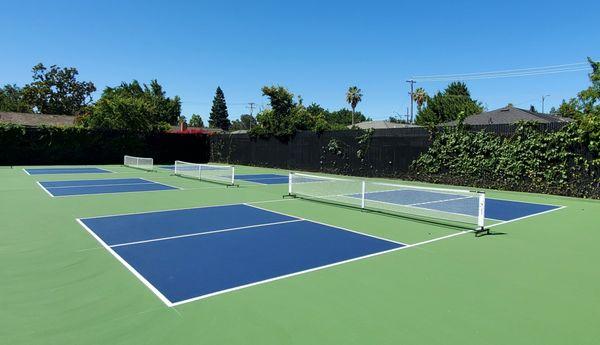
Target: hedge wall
point(564, 162)
point(21, 145)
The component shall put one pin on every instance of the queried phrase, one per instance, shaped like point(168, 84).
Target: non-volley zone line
point(58, 171)
point(190, 254)
point(101, 186)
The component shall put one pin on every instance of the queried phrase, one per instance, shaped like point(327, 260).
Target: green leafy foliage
point(561, 162)
point(285, 116)
point(447, 105)
point(196, 121)
point(56, 90)
point(219, 117)
point(13, 99)
point(343, 117)
point(79, 145)
point(132, 106)
point(245, 122)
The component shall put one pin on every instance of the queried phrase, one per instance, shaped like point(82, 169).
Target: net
point(208, 172)
point(424, 202)
point(138, 162)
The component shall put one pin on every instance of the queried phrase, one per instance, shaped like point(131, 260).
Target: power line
point(521, 72)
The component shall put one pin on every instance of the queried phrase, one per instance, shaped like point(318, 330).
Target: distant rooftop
point(36, 120)
point(184, 129)
point(508, 115)
point(382, 125)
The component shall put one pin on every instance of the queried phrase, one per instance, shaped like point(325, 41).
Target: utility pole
point(412, 85)
point(543, 100)
point(251, 106)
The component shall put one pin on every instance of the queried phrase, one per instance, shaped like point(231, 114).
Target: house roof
point(194, 130)
point(36, 120)
point(381, 125)
point(508, 115)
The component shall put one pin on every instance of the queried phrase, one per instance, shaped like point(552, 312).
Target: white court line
point(241, 177)
point(125, 192)
point(442, 200)
point(296, 219)
point(329, 225)
point(27, 172)
point(415, 207)
point(189, 208)
point(525, 217)
point(127, 265)
point(103, 185)
point(403, 246)
point(205, 233)
point(44, 189)
point(284, 276)
point(164, 184)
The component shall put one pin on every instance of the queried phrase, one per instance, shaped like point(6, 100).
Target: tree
point(219, 117)
point(397, 119)
point(278, 119)
point(13, 99)
point(420, 97)
point(132, 106)
point(343, 117)
point(448, 105)
point(196, 121)
point(285, 117)
point(353, 97)
point(586, 106)
point(57, 91)
point(532, 109)
point(246, 122)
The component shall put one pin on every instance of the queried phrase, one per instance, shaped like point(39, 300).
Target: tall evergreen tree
point(219, 118)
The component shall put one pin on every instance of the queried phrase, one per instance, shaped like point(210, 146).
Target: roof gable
point(509, 115)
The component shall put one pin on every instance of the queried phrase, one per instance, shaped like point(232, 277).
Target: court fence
point(371, 153)
point(392, 153)
point(351, 152)
point(22, 145)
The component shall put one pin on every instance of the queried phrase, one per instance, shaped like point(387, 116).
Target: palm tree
point(353, 97)
point(420, 97)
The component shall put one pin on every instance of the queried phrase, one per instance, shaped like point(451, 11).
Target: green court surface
point(534, 281)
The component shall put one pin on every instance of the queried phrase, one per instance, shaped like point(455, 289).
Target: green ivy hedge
point(21, 145)
point(564, 162)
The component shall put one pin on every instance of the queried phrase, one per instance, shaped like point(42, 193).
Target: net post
point(290, 183)
point(481, 213)
point(362, 194)
point(232, 175)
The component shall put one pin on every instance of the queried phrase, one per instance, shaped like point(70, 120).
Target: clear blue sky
point(315, 48)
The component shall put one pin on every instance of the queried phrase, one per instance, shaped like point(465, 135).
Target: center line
point(204, 233)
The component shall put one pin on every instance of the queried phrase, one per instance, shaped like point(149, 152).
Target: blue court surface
point(264, 178)
point(495, 209)
point(102, 186)
point(51, 171)
point(189, 254)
